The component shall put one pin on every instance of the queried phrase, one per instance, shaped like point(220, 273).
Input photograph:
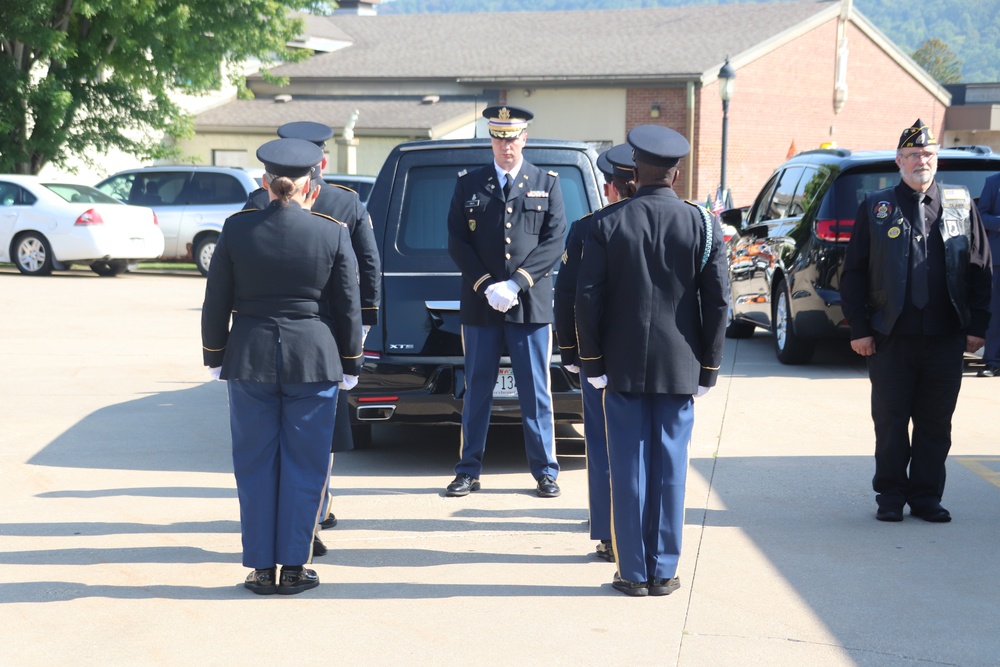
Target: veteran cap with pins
point(506, 122)
point(917, 134)
point(307, 130)
point(657, 145)
point(293, 158)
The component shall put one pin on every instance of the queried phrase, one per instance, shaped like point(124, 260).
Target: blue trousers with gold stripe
point(648, 438)
point(595, 436)
point(530, 348)
point(281, 457)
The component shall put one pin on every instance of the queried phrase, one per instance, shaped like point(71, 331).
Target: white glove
point(348, 383)
point(215, 372)
point(701, 391)
point(503, 296)
point(572, 368)
point(364, 333)
point(599, 382)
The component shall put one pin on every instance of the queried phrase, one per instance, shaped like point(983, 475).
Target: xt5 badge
point(882, 211)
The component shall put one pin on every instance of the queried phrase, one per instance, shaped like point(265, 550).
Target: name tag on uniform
point(537, 193)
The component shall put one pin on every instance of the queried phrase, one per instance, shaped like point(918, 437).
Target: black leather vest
point(889, 257)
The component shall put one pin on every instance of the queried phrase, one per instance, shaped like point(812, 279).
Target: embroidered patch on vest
point(882, 211)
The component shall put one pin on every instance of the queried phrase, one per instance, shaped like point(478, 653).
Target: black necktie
point(507, 185)
point(918, 290)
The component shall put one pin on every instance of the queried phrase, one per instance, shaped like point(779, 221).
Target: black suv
point(786, 257)
point(413, 372)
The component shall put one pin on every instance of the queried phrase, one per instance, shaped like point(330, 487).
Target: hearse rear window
point(423, 227)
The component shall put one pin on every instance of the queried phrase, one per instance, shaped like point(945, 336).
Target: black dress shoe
point(989, 372)
point(663, 586)
point(319, 549)
point(933, 513)
point(889, 514)
point(296, 581)
point(605, 551)
point(463, 485)
point(547, 487)
point(636, 589)
point(261, 582)
point(328, 522)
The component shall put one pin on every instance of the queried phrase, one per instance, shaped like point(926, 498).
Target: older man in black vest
point(916, 292)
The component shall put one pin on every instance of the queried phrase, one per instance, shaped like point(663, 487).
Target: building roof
point(657, 43)
point(376, 116)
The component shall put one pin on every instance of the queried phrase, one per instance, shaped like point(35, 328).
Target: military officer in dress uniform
point(505, 232)
point(617, 166)
point(288, 279)
point(651, 317)
point(344, 205)
point(915, 290)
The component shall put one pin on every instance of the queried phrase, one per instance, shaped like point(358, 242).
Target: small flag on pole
point(718, 206)
point(791, 151)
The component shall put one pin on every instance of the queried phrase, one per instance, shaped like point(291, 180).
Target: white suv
point(191, 203)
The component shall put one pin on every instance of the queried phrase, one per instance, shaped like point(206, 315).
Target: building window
point(229, 158)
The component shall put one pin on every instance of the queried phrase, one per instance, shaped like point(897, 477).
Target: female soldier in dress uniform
point(287, 278)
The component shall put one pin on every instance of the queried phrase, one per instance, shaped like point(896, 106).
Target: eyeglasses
point(920, 155)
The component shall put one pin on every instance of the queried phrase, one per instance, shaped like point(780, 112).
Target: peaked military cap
point(658, 145)
point(317, 133)
point(622, 162)
point(606, 168)
point(916, 135)
point(506, 122)
point(294, 158)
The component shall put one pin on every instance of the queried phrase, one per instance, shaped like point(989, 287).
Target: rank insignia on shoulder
point(893, 232)
point(537, 193)
point(882, 210)
point(463, 173)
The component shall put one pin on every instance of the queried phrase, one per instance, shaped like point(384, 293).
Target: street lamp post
point(727, 76)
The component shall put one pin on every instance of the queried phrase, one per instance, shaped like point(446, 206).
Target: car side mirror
point(734, 217)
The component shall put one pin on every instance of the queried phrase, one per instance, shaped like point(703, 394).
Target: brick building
point(807, 73)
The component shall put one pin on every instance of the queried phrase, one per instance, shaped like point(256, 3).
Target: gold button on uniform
point(507, 239)
point(508, 225)
point(507, 255)
point(510, 210)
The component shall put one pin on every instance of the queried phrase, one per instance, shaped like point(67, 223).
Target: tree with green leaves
point(80, 77)
point(939, 61)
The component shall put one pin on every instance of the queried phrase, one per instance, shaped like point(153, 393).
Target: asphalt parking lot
point(119, 524)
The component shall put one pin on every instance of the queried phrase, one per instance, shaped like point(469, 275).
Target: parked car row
point(787, 254)
point(47, 225)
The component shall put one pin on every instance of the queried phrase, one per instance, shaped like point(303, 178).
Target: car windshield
point(82, 194)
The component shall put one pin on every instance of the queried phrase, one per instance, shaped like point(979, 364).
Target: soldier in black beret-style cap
point(281, 322)
point(651, 305)
point(915, 290)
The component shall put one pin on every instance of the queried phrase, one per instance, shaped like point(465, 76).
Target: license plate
point(505, 386)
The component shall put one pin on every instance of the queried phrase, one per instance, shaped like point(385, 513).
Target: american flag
point(718, 205)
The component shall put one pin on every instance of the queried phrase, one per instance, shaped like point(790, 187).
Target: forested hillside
point(970, 28)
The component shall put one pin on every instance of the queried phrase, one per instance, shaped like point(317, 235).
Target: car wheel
point(203, 251)
point(789, 347)
point(111, 267)
point(32, 254)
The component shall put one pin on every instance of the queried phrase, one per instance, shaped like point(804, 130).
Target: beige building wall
point(574, 114)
